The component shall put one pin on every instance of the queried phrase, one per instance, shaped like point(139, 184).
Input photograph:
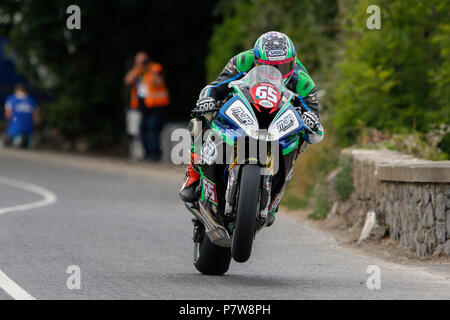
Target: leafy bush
point(292, 201)
point(321, 206)
point(395, 78)
point(344, 179)
point(433, 145)
point(311, 166)
point(444, 145)
point(429, 146)
point(309, 24)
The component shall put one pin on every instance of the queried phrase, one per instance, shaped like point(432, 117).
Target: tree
point(309, 24)
point(395, 78)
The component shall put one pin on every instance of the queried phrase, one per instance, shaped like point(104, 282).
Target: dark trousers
point(19, 141)
point(151, 125)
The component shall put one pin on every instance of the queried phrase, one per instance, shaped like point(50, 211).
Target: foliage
point(311, 166)
point(395, 78)
point(444, 145)
point(308, 23)
point(321, 206)
point(432, 145)
point(292, 201)
point(344, 179)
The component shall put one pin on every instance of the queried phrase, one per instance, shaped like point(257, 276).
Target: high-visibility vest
point(157, 95)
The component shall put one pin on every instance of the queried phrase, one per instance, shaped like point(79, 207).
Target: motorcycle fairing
point(236, 114)
point(286, 127)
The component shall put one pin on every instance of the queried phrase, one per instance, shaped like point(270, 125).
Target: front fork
point(232, 187)
point(265, 196)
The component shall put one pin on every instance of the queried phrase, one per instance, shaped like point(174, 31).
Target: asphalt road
point(126, 229)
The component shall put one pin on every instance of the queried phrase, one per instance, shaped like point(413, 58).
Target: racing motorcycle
point(246, 162)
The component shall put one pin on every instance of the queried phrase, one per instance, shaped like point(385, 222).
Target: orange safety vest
point(157, 96)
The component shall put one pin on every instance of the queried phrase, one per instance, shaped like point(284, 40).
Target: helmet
point(276, 49)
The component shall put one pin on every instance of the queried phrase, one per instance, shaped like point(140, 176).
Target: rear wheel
point(211, 259)
point(246, 213)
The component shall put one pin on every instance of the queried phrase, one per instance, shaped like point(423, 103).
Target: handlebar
point(201, 113)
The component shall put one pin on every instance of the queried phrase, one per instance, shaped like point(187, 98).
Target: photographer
point(149, 95)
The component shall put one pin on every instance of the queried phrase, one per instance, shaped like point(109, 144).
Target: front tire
point(246, 213)
point(210, 259)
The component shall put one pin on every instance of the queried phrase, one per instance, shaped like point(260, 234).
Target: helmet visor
point(286, 67)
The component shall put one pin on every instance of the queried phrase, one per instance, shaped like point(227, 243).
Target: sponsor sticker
point(209, 190)
point(286, 122)
point(242, 116)
point(275, 203)
point(276, 52)
point(266, 95)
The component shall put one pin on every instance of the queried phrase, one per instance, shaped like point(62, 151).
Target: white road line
point(8, 285)
point(13, 289)
point(49, 197)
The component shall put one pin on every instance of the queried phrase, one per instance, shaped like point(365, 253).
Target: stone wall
point(410, 195)
point(416, 215)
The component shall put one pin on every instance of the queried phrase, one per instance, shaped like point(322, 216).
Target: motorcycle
point(246, 162)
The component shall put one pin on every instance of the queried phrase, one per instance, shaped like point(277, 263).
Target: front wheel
point(211, 259)
point(246, 213)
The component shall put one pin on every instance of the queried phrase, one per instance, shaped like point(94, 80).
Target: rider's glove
point(311, 121)
point(204, 105)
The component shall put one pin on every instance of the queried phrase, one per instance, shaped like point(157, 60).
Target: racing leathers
point(299, 82)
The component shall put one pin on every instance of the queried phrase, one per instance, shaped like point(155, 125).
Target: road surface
point(127, 231)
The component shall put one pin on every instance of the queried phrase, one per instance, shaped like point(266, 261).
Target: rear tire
point(246, 213)
point(210, 259)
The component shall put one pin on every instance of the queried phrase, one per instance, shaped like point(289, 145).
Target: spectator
point(150, 96)
point(21, 114)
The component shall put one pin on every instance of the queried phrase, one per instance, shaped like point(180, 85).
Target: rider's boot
point(271, 220)
point(191, 182)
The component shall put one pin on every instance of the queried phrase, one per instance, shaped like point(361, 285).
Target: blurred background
point(386, 88)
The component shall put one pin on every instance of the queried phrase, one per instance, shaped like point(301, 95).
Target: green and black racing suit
point(299, 82)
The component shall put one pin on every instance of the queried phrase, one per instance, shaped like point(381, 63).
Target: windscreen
point(264, 74)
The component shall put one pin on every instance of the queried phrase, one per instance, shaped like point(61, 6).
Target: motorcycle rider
point(272, 48)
